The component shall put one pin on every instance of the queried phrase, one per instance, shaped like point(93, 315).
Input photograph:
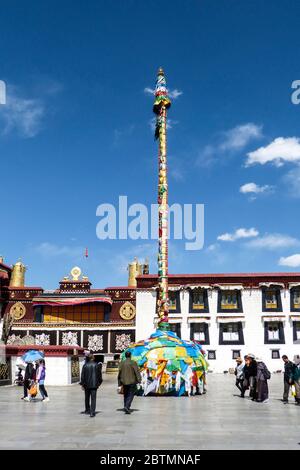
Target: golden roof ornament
point(18, 275)
point(75, 273)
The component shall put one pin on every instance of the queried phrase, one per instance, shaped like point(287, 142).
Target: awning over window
point(295, 317)
point(199, 320)
point(230, 319)
point(275, 319)
point(59, 301)
point(271, 284)
point(199, 286)
point(294, 284)
point(229, 286)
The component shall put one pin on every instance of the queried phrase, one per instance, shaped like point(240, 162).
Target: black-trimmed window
point(274, 332)
point(38, 314)
point(230, 301)
point(236, 353)
point(176, 328)
point(275, 354)
point(174, 301)
point(295, 299)
point(296, 332)
point(198, 301)
point(231, 333)
point(211, 355)
point(199, 332)
point(271, 299)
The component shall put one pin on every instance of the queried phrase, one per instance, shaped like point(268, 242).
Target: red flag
point(86, 253)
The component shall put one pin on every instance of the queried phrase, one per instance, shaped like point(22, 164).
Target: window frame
point(292, 305)
point(205, 308)
point(178, 305)
point(206, 332)
point(214, 353)
point(275, 351)
point(234, 355)
point(240, 341)
point(278, 298)
point(239, 308)
point(177, 327)
point(295, 339)
point(281, 339)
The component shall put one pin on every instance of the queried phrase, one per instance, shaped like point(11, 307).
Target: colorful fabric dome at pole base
point(168, 365)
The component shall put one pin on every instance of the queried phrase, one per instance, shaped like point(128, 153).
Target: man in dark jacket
point(29, 377)
point(287, 377)
point(91, 379)
point(129, 375)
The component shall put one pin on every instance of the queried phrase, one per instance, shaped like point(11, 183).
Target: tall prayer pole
point(161, 104)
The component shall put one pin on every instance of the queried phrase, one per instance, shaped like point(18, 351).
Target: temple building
point(75, 314)
point(229, 314)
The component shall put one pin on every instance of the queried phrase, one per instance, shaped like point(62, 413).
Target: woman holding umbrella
point(30, 373)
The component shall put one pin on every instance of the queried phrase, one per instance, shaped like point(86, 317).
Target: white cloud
point(173, 94)
point(292, 180)
point(240, 136)
point(21, 114)
point(50, 250)
point(292, 261)
point(279, 151)
point(212, 247)
point(239, 233)
point(254, 188)
point(273, 241)
point(149, 91)
point(231, 141)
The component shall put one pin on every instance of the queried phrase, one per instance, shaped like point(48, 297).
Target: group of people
point(91, 379)
point(34, 377)
point(252, 374)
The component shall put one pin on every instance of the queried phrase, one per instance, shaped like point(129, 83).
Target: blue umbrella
point(33, 355)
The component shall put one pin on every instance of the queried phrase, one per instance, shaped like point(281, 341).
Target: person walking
point(29, 378)
point(91, 379)
point(129, 376)
point(246, 382)
point(263, 375)
point(296, 378)
point(239, 374)
point(252, 371)
point(287, 377)
point(40, 380)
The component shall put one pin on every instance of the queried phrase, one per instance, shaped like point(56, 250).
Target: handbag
point(33, 390)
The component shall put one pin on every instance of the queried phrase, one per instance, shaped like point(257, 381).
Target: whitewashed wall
point(253, 326)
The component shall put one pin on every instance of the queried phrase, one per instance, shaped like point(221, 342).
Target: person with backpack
point(262, 377)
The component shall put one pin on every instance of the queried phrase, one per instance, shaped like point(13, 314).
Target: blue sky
point(76, 131)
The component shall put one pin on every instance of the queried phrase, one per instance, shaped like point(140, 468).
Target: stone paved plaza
point(218, 420)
